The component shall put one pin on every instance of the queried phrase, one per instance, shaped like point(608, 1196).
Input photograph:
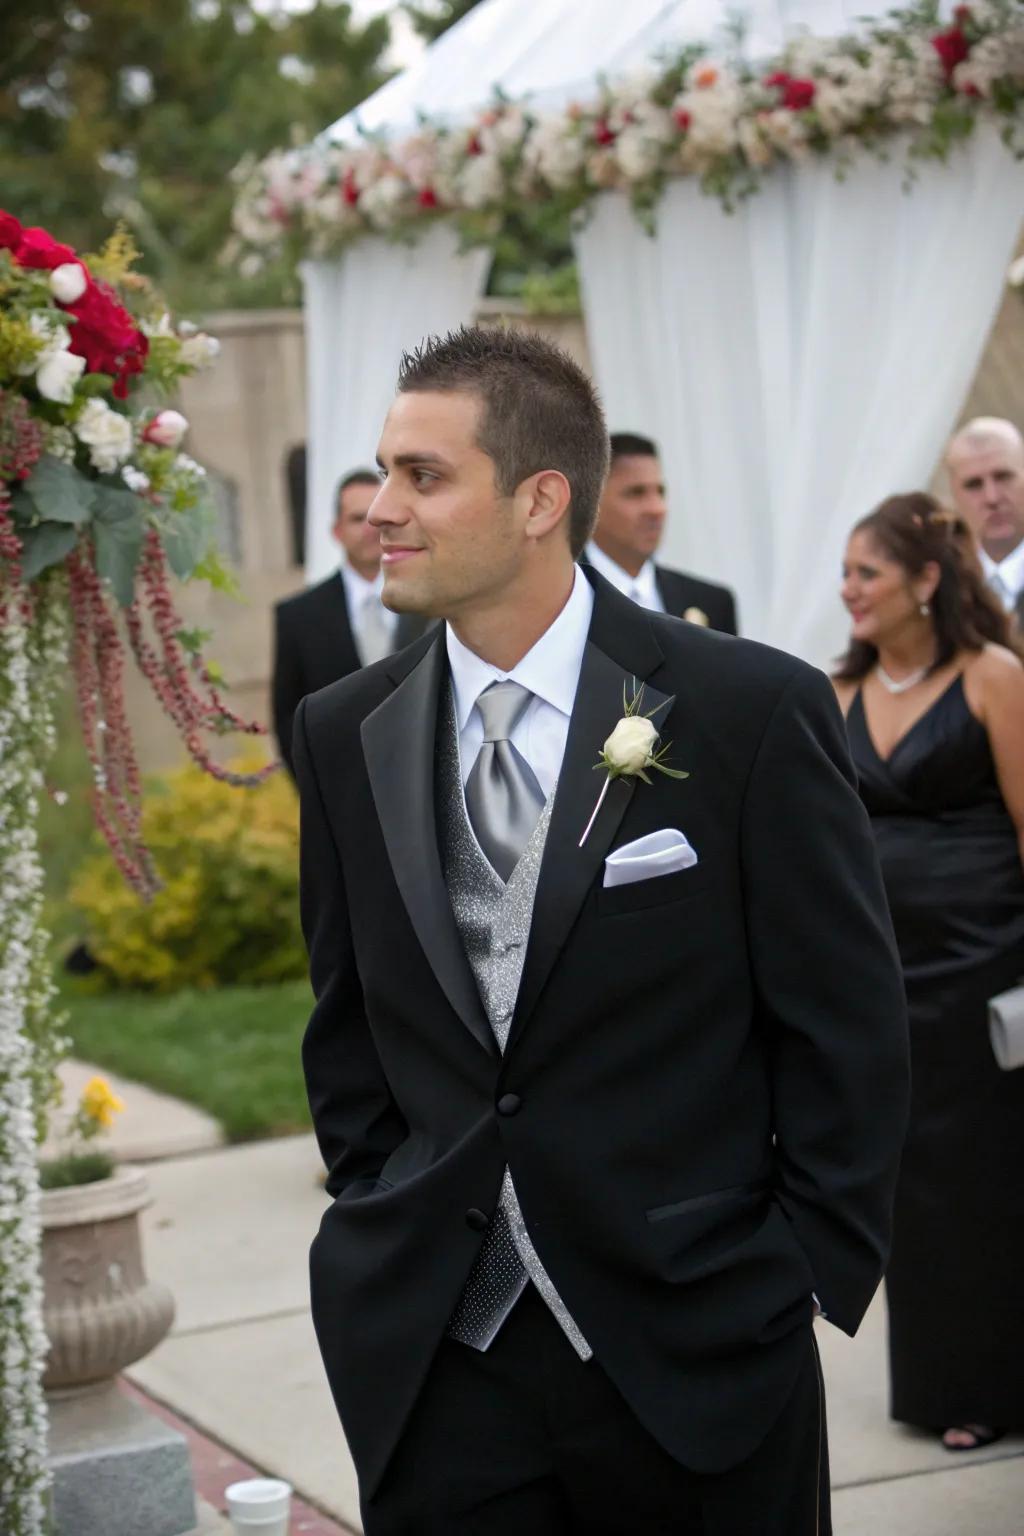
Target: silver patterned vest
point(493, 920)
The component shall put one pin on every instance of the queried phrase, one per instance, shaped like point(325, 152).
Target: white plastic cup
point(261, 1506)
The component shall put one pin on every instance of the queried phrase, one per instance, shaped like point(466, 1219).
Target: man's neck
point(367, 573)
point(502, 634)
point(999, 550)
point(626, 559)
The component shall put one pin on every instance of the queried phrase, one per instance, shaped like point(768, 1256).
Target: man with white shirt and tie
point(630, 525)
point(985, 460)
point(340, 624)
point(600, 1107)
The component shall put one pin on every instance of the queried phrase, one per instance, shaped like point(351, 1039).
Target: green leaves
point(56, 493)
point(118, 530)
point(44, 545)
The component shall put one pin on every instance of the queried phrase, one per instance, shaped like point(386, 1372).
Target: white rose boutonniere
point(629, 751)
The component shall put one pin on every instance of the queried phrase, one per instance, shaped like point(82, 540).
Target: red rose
point(349, 190)
point(106, 336)
point(797, 94)
point(683, 119)
point(427, 197)
point(952, 48)
point(38, 249)
point(603, 135)
point(474, 146)
point(10, 232)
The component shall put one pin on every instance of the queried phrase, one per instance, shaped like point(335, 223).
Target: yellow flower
point(99, 1102)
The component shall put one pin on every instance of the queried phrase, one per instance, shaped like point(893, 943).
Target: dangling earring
point(925, 610)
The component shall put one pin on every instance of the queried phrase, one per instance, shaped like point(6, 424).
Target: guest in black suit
point(630, 523)
point(606, 1092)
point(985, 460)
point(341, 624)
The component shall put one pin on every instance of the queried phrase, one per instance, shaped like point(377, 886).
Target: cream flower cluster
point(716, 118)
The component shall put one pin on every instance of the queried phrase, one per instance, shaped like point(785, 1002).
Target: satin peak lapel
point(398, 743)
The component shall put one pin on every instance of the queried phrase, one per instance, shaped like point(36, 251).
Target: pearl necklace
point(904, 683)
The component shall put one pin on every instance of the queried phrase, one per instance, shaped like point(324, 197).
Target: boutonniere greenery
point(631, 752)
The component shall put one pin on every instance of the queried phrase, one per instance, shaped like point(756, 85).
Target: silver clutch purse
point(1006, 1027)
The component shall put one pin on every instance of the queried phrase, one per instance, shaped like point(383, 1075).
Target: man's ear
point(547, 497)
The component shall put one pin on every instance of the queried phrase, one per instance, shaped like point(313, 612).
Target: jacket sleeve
point(356, 1121)
point(286, 689)
point(830, 993)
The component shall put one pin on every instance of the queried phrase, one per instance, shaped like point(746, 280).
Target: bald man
point(985, 460)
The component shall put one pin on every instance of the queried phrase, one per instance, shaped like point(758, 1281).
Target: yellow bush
point(228, 910)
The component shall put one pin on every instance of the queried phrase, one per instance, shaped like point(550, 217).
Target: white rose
point(166, 429)
point(134, 479)
point(628, 748)
point(199, 350)
point(106, 433)
point(57, 375)
point(68, 282)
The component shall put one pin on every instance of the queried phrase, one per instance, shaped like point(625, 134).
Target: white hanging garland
point(716, 118)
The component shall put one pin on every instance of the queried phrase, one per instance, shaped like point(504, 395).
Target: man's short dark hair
point(354, 477)
point(630, 445)
point(540, 411)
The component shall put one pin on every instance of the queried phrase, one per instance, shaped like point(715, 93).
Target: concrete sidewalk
point(229, 1232)
point(151, 1125)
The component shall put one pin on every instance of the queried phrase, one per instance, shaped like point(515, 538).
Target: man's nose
point(384, 509)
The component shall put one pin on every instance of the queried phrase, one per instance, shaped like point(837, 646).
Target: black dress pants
point(528, 1440)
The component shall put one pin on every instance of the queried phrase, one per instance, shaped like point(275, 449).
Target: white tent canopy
point(797, 360)
point(552, 52)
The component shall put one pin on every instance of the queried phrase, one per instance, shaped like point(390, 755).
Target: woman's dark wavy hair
point(914, 529)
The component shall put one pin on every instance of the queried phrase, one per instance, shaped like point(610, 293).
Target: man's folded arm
point(356, 1120)
point(829, 992)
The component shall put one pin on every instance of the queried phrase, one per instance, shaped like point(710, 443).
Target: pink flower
point(166, 429)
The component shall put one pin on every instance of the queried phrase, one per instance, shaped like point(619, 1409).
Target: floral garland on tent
point(719, 119)
point(98, 508)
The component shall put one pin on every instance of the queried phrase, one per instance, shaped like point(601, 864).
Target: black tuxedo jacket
point(680, 591)
point(709, 1068)
point(313, 646)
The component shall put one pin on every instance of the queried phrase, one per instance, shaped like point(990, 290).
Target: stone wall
point(249, 411)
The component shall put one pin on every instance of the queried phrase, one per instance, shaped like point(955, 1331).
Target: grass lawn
point(233, 1052)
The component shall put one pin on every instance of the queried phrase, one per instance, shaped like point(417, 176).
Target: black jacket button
point(476, 1219)
point(509, 1104)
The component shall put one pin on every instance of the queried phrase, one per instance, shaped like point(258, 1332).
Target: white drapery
point(797, 360)
point(362, 311)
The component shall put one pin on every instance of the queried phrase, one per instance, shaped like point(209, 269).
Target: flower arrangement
point(79, 1162)
point(99, 508)
point(719, 119)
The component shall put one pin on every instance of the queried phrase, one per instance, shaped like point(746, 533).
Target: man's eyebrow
point(402, 460)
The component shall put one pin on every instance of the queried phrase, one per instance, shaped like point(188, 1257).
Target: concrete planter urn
point(99, 1310)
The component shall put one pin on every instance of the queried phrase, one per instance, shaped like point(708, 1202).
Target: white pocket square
point(659, 853)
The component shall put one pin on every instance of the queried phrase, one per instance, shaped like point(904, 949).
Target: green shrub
point(228, 910)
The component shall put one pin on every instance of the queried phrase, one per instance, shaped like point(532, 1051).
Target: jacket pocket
point(714, 1197)
point(655, 891)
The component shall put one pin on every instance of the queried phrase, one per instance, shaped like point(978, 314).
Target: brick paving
point(214, 1466)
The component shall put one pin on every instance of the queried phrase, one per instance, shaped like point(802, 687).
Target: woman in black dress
point(934, 699)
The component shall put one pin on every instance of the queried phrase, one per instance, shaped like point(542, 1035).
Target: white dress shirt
point(1006, 576)
point(359, 594)
point(642, 588)
point(550, 670)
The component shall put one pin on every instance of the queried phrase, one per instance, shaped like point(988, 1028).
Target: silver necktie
point(374, 631)
point(503, 798)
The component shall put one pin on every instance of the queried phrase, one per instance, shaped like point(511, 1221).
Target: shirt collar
point(550, 668)
point(1009, 570)
point(644, 582)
